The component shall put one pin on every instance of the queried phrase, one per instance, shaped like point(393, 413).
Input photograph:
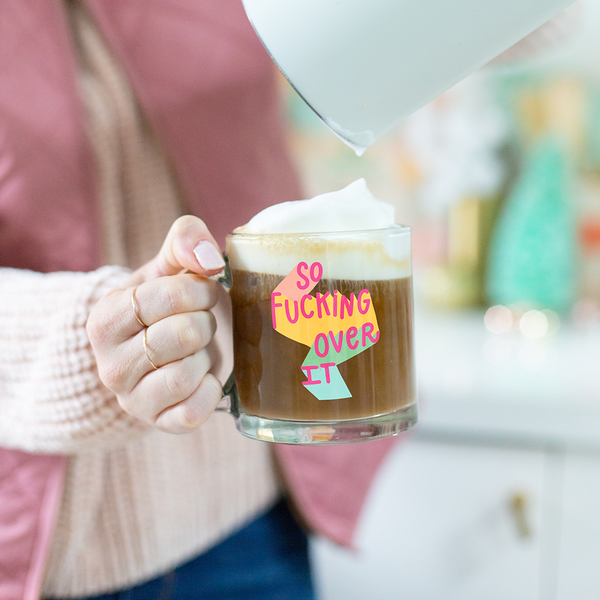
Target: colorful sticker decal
point(335, 327)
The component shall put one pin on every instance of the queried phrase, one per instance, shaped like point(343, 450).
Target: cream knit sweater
point(137, 501)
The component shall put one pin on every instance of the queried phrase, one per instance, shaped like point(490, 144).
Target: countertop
point(476, 384)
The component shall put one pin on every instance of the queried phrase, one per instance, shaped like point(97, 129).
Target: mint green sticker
point(332, 385)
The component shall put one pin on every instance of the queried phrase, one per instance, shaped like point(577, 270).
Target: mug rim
point(395, 227)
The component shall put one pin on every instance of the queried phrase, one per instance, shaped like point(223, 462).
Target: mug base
point(323, 433)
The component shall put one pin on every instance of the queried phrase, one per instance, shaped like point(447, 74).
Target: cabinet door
point(579, 561)
point(440, 525)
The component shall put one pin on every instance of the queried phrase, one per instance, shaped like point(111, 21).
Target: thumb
point(188, 245)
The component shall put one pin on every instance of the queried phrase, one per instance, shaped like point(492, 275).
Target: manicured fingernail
point(208, 256)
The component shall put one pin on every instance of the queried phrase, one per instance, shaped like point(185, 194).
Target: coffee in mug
point(322, 316)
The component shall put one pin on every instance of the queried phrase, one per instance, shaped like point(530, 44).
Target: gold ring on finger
point(134, 304)
point(146, 349)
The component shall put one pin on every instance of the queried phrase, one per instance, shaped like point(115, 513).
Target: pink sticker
point(301, 281)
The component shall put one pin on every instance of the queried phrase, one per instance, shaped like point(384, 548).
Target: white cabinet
point(441, 525)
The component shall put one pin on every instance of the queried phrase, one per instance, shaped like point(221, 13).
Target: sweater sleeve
point(51, 398)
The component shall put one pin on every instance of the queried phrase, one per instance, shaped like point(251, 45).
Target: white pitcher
point(364, 65)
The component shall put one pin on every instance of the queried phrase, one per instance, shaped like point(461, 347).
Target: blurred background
point(495, 494)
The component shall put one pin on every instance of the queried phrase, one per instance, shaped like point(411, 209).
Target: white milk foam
point(350, 209)
point(288, 234)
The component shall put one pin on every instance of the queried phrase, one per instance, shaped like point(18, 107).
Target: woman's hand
point(188, 319)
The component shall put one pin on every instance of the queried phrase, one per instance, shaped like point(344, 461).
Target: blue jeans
point(266, 560)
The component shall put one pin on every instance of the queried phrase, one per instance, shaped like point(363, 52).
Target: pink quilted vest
point(207, 87)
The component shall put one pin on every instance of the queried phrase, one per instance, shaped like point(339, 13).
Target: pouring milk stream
point(364, 65)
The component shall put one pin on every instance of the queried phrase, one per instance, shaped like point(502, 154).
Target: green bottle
point(533, 252)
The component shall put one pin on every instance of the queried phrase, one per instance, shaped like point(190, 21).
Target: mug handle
point(230, 393)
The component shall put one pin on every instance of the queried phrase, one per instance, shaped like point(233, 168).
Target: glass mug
point(323, 342)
